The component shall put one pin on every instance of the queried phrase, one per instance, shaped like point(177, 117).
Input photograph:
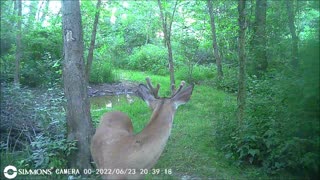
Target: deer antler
point(153, 90)
point(177, 91)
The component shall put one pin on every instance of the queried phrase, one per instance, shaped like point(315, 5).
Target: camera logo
point(10, 172)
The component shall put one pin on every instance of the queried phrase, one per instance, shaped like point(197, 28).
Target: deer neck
point(161, 119)
point(157, 132)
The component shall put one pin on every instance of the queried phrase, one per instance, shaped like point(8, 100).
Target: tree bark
point(44, 12)
point(259, 42)
point(241, 99)
point(79, 125)
point(295, 39)
point(93, 39)
point(18, 54)
point(33, 8)
point(214, 40)
point(167, 37)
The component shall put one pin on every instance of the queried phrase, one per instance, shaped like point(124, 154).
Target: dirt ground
point(124, 87)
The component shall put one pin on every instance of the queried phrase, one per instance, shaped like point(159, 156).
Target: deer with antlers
point(120, 154)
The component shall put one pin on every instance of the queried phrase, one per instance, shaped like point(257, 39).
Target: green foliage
point(44, 71)
point(8, 17)
point(7, 66)
point(149, 58)
point(40, 64)
point(281, 131)
point(141, 77)
point(190, 151)
point(191, 61)
point(229, 82)
point(35, 123)
point(17, 114)
point(102, 72)
point(49, 152)
point(140, 114)
point(41, 61)
point(196, 74)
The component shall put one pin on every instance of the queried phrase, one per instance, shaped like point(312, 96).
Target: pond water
point(106, 102)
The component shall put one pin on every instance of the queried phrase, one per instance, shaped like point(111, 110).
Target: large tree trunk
point(259, 43)
point(18, 44)
point(295, 39)
point(93, 39)
point(242, 62)
point(167, 37)
point(79, 125)
point(214, 40)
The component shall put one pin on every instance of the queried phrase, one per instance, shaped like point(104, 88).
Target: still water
point(106, 102)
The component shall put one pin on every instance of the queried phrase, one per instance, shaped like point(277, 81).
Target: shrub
point(102, 72)
point(44, 71)
point(34, 72)
point(7, 66)
point(229, 82)
point(34, 124)
point(196, 73)
point(278, 134)
point(281, 129)
point(48, 151)
point(18, 120)
point(273, 135)
point(149, 58)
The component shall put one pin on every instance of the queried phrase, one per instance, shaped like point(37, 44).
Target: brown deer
point(120, 154)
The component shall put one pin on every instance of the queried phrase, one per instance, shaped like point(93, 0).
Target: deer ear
point(145, 94)
point(183, 96)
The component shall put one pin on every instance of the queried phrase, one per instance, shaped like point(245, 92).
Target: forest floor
point(107, 89)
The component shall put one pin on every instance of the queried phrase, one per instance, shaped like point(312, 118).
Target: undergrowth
point(33, 129)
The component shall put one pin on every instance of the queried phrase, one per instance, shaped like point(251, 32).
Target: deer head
point(150, 94)
point(114, 146)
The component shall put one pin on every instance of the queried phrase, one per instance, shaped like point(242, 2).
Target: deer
point(119, 153)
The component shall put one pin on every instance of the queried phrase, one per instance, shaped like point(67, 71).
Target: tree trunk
point(79, 125)
point(295, 39)
point(214, 41)
point(45, 11)
point(93, 39)
point(259, 43)
point(167, 37)
point(33, 8)
point(18, 44)
point(241, 99)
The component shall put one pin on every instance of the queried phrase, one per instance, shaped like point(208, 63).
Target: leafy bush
point(102, 72)
point(33, 72)
point(281, 129)
point(195, 73)
point(7, 66)
point(34, 124)
point(44, 71)
point(149, 58)
point(229, 82)
point(18, 120)
point(49, 152)
point(42, 56)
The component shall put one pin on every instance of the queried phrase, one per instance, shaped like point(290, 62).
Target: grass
point(140, 77)
point(190, 152)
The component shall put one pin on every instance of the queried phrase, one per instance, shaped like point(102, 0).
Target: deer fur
point(121, 154)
